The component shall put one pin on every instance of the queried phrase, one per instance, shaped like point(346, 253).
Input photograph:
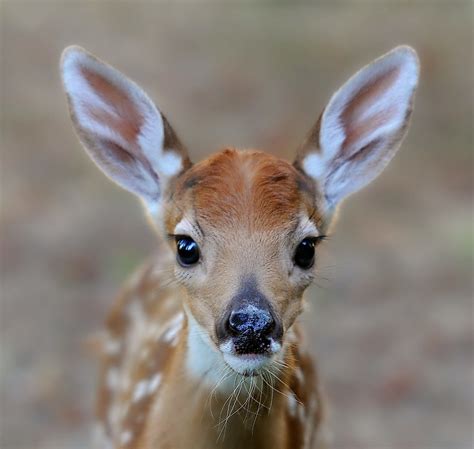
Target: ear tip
point(72, 55)
point(407, 52)
point(71, 51)
point(407, 57)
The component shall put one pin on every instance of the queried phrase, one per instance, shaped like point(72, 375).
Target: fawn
point(201, 349)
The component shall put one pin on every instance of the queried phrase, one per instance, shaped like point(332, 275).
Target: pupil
point(304, 256)
point(187, 251)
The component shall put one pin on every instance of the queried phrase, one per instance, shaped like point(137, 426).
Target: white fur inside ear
point(363, 125)
point(387, 107)
point(170, 164)
point(314, 165)
point(165, 162)
point(86, 100)
point(123, 130)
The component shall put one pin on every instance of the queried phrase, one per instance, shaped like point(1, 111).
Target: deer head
point(244, 225)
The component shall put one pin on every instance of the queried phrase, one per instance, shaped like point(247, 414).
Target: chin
point(249, 365)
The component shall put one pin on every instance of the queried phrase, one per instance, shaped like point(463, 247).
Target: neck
point(236, 410)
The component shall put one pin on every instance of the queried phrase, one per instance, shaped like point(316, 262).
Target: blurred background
point(391, 319)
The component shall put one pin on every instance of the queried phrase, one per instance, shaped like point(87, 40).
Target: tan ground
point(392, 321)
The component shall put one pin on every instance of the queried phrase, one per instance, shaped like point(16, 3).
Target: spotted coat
point(143, 330)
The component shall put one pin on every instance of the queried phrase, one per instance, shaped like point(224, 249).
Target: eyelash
point(320, 238)
point(316, 239)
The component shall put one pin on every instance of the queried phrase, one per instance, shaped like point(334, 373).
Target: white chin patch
point(248, 364)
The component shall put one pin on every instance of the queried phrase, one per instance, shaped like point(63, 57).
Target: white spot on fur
point(299, 375)
point(126, 437)
point(292, 404)
point(112, 347)
point(140, 391)
point(146, 387)
point(113, 379)
point(138, 328)
point(154, 383)
point(172, 332)
point(301, 412)
point(113, 418)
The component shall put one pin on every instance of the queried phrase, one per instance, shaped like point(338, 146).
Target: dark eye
point(187, 250)
point(304, 254)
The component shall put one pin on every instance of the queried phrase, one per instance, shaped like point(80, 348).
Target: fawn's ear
point(120, 127)
point(362, 127)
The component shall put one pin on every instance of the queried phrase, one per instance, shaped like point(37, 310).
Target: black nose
point(252, 329)
point(251, 321)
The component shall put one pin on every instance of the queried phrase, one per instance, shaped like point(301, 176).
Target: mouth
point(250, 364)
point(247, 365)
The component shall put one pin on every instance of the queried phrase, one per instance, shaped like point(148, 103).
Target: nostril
point(269, 326)
point(238, 322)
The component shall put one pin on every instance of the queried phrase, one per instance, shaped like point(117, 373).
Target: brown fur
point(257, 188)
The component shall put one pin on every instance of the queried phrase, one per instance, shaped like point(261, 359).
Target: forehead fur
point(248, 189)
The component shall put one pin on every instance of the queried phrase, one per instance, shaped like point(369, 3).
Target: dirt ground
point(391, 320)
